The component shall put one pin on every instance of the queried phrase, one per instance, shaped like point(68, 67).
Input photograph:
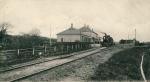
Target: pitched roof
point(74, 31)
point(85, 29)
point(70, 31)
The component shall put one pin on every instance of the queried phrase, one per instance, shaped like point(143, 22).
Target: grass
point(124, 65)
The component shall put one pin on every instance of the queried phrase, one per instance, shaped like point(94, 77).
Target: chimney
point(84, 25)
point(87, 26)
point(71, 25)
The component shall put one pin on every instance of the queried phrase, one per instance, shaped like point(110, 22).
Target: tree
point(35, 36)
point(35, 32)
point(3, 31)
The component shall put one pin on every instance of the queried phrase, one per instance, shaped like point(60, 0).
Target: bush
point(25, 41)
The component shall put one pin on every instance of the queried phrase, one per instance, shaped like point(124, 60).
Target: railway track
point(58, 62)
point(52, 59)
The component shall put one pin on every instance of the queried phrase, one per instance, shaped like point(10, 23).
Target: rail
point(21, 55)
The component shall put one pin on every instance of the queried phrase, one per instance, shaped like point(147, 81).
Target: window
point(82, 39)
point(62, 39)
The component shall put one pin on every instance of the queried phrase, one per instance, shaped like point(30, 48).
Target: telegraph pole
point(128, 36)
point(135, 38)
point(135, 34)
point(50, 37)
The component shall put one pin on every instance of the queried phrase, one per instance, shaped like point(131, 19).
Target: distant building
point(84, 34)
point(123, 41)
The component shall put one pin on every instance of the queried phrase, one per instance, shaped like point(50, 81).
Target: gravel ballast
point(80, 70)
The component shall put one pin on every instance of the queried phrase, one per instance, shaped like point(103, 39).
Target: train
point(107, 41)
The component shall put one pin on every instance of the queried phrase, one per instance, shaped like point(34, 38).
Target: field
point(124, 65)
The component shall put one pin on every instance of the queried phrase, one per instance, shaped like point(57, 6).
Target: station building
point(83, 34)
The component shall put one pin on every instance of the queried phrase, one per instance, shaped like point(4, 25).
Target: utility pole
point(135, 34)
point(128, 36)
point(135, 38)
point(50, 37)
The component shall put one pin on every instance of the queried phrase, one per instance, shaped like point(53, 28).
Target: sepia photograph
point(74, 40)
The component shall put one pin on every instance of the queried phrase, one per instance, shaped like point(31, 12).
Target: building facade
point(84, 34)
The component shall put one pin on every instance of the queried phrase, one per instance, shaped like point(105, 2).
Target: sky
point(118, 18)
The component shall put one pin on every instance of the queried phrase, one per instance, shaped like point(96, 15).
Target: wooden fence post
point(49, 50)
point(67, 48)
point(76, 46)
point(62, 49)
point(55, 48)
point(33, 51)
point(45, 50)
point(18, 52)
point(72, 47)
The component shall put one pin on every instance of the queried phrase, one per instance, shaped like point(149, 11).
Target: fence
point(22, 55)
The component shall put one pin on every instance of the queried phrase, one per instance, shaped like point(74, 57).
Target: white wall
point(74, 38)
point(91, 34)
point(68, 38)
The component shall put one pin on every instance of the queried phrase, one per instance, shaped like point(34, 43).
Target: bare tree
point(3, 31)
point(35, 36)
point(35, 32)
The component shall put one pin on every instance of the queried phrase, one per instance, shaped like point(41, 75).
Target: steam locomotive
point(107, 40)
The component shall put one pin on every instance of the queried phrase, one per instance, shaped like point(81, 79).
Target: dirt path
point(80, 70)
point(88, 66)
